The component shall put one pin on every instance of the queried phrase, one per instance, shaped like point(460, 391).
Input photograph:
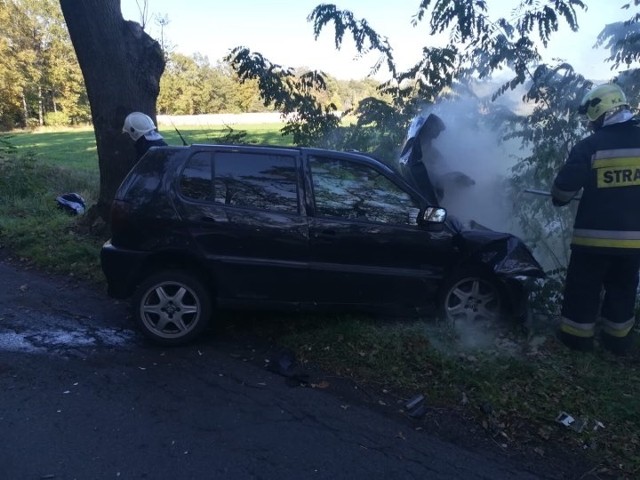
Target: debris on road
point(284, 363)
point(415, 407)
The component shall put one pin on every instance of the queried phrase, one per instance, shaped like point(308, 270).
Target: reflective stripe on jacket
point(606, 166)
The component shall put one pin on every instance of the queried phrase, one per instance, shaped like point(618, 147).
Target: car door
point(244, 213)
point(365, 245)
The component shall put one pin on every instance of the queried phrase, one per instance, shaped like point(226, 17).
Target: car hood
point(506, 254)
point(422, 130)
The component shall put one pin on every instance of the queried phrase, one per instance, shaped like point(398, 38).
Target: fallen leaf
point(322, 384)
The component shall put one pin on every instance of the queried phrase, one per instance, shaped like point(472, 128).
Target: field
point(511, 387)
point(75, 148)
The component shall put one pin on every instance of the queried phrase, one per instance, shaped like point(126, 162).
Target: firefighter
point(605, 248)
point(143, 132)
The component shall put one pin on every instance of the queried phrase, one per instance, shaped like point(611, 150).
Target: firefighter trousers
point(589, 276)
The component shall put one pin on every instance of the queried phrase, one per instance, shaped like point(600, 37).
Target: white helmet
point(138, 124)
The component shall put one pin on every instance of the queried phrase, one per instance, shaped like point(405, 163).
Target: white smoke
point(470, 146)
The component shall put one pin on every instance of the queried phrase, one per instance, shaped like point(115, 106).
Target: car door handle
point(207, 219)
point(326, 233)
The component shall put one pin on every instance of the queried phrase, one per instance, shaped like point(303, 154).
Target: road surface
point(85, 397)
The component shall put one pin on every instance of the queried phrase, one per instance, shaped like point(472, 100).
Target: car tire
point(472, 296)
point(172, 307)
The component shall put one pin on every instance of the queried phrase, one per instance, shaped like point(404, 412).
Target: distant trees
point(191, 85)
point(40, 81)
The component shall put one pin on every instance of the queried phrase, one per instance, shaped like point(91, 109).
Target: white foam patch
point(13, 342)
point(55, 339)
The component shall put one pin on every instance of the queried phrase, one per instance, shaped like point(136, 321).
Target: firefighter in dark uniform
point(605, 248)
point(143, 132)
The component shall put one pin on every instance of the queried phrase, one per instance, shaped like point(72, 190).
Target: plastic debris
point(72, 203)
point(577, 424)
point(415, 406)
point(284, 363)
point(565, 419)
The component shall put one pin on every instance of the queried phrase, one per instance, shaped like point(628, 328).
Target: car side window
point(256, 180)
point(351, 190)
point(195, 181)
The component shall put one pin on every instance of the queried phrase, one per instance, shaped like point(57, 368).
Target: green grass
point(256, 133)
point(75, 148)
point(513, 387)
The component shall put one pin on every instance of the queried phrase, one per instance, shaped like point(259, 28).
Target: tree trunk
point(40, 106)
point(121, 66)
point(25, 110)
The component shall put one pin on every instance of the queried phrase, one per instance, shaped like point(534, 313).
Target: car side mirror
point(431, 215)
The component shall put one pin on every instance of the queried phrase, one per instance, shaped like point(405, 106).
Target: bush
point(56, 119)
point(32, 123)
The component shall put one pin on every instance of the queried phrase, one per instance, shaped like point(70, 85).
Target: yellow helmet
point(602, 99)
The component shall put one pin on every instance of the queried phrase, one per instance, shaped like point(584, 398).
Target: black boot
point(580, 344)
point(618, 345)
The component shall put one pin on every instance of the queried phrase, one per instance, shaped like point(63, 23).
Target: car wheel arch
point(472, 272)
point(176, 261)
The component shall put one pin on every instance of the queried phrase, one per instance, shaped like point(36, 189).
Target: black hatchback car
point(218, 226)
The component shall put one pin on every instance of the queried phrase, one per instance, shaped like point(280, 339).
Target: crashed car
point(203, 227)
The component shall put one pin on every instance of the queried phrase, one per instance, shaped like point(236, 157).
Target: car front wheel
point(172, 307)
point(472, 297)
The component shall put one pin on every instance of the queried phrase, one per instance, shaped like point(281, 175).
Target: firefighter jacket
point(606, 165)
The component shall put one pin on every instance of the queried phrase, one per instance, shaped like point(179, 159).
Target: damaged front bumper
point(509, 259)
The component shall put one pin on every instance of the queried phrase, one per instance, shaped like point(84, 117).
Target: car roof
point(353, 154)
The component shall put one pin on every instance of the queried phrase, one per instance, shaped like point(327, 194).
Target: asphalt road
point(85, 397)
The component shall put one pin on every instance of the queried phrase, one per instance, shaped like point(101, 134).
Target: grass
point(75, 148)
point(513, 384)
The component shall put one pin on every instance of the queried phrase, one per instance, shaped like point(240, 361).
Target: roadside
point(77, 379)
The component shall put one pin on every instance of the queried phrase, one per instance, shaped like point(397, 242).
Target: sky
point(279, 30)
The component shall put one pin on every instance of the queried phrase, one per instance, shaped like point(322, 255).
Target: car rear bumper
point(120, 267)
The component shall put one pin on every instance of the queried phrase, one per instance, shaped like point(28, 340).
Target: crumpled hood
point(422, 131)
point(505, 253)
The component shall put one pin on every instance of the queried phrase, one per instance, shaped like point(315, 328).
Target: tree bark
point(121, 66)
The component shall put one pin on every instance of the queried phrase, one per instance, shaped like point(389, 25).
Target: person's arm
point(572, 177)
